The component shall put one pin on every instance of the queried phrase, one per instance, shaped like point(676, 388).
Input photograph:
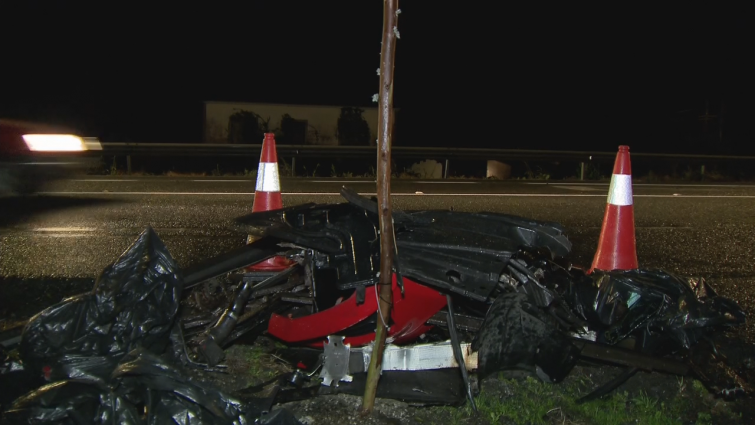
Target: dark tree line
point(247, 127)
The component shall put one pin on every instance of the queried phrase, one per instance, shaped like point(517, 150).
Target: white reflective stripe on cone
point(267, 177)
point(620, 191)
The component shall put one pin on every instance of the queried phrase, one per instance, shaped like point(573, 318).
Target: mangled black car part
point(655, 312)
point(459, 252)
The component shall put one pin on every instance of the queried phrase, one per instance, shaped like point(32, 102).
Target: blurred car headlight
point(92, 143)
point(60, 143)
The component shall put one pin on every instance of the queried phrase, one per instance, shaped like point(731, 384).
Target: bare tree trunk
point(385, 130)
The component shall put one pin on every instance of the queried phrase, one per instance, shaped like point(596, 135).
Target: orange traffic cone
point(617, 247)
point(267, 196)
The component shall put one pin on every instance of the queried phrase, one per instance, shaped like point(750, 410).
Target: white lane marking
point(104, 180)
point(67, 235)
point(64, 229)
point(402, 181)
point(645, 184)
point(224, 181)
point(49, 163)
point(339, 181)
point(442, 182)
point(503, 195)
point(436, 182)
point(580, 188)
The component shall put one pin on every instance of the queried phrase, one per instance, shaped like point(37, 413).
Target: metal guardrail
point(401, 152)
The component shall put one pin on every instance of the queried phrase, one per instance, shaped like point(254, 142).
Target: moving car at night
point(32, 154)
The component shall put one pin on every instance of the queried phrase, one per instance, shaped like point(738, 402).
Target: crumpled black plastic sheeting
point(133, 304)
point(100, 350)
point(619, 303)
point(144, 390)
point(72, 402)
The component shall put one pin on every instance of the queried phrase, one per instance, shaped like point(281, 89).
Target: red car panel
point(410, 313)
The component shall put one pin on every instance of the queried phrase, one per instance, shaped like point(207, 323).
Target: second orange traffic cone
point(617, 248)
point(267, 197)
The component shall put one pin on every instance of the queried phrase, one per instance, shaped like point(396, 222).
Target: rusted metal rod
point(385, 130)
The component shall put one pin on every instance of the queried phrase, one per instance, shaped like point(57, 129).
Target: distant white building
point(313, 124)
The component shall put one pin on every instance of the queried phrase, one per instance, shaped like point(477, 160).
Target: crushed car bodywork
point(499, 269)
point(461, 253)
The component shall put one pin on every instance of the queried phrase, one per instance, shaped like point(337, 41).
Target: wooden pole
point(385, 130)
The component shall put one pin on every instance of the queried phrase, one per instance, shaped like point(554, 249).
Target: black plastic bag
point(145, 389)
point(133, 304)
point(73, 402)
point(170, 395)
point(101, 350)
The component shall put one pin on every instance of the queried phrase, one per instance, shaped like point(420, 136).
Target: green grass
point(252, 174)
point(534, 402)
point(254, 362)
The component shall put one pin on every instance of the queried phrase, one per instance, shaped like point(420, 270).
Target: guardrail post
point(293, 166)
point(702, 170)
point(445, 170)
point(128, 164)
point(582, 170)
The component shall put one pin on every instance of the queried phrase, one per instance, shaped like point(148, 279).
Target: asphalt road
point(54, 244)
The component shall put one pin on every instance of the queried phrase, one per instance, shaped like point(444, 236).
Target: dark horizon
point(568, 78)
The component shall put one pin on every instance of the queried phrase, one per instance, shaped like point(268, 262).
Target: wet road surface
point(54, 244)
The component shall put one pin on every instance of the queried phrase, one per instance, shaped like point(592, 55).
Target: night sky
point(477, 75)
